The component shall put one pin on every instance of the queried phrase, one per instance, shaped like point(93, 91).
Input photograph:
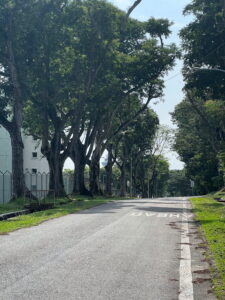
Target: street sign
point(192, 183)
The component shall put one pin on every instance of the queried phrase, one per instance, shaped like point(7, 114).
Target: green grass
point(211, 215)
point(220, 194)
point(12, 206)
point(39, 217)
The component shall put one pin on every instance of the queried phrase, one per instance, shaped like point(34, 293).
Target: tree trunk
point(78, 157)
point(56, 184)
point(80, 180)
point(14, 127)
point(123, 181)
point(94, 174)
point(19, 187)
point(56, 162)
point(108, 169)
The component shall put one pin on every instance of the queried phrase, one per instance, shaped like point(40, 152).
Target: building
point(35, 166)
point(33, 160)
point(5, 151)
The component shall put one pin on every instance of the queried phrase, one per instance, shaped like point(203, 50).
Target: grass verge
point(41, 216)
point(12, 206)
point(211, 215)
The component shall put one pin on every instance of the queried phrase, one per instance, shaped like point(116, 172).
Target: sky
point(172, 10)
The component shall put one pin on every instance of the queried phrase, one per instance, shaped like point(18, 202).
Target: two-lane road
point(133, 249)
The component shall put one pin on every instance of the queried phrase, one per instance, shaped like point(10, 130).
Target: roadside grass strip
point(12, 206)
point(211, 215)
point(41, 216)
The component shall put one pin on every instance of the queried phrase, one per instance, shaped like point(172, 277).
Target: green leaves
point(204, 45)
point(158, 28)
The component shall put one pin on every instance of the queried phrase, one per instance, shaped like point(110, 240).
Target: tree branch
point(130, 10)
point(133, 117)
point(203, 117)
point(5, 123)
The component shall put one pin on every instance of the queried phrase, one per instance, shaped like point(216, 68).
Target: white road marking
point(162, 215)
point(184, 216)
point(174, 215)
point(136, 214)
point(150, 214)
point(186, 285)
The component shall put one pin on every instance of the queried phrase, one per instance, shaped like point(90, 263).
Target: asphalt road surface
point(133, 249)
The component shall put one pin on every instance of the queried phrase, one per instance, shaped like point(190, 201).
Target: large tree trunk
point(78, 157)
point(94, 174)
point(14, 126)
point(56, 162)
point(56, 184)
point(108, 169)
point(80, 180)
point(19, 187)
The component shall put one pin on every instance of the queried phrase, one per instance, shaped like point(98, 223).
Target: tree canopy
point(85, 71)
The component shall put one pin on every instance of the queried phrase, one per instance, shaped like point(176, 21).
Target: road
point(134, 249)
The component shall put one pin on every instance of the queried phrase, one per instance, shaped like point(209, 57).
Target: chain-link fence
point(37, 183)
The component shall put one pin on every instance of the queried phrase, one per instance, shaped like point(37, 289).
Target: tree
point(151, 176)
point(196, 147)
point(203, 45)
point(16, 27)
point(139, 55)
point(77, 90)
point(131, 145)
point(160, 144)
point(178, 184)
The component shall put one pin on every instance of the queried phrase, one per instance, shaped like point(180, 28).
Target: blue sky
point(172, 10)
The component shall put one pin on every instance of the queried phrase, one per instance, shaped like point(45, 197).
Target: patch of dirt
point(206, 271)
point(201, 280)
point(189, 234)
point(173, 225)
point(200, 247)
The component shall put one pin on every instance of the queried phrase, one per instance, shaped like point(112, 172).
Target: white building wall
point(5, 166)
point(39, 163)
point(34, 167)
point(5, 151)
